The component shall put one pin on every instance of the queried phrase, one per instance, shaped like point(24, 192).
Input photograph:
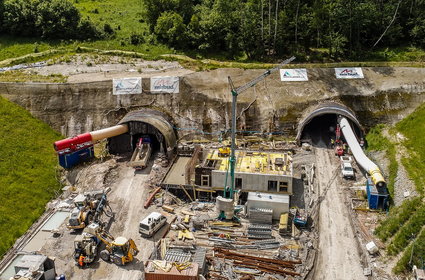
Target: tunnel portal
point(146, 123)
point(319, 124)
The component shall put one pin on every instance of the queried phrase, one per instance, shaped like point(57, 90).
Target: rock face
point(204, 102)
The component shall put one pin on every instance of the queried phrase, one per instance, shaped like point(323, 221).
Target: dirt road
point(338, 255)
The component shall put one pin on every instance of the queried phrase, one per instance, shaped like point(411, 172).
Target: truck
point(151, 224)
point(141, 154)
point(347, 170)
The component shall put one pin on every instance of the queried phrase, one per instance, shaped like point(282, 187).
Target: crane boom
point(235, 93)
point(255, 81)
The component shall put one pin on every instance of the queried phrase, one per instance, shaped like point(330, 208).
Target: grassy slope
point(27, 170)
point(404, 227)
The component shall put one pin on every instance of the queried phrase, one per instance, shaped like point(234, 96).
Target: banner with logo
point(293, 75)
point(165, 84)
point(127, 86)
point(349, 73)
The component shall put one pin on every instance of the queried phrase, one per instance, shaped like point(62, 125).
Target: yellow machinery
point(118, 250)
point(224, 152)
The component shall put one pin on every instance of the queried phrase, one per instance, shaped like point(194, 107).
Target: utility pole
point(228, 193)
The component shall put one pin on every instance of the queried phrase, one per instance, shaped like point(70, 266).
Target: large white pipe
point(359, 155)
point(109, 132)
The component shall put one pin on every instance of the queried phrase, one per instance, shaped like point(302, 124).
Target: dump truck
point(141, 154)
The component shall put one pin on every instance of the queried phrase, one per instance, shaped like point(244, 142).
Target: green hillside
point(404, 229)
point(246, 31)
point(27, 171)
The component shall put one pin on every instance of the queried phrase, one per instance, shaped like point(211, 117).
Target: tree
point(19, 17)
point(1, 14)
point(171, 29)
point(58, 19)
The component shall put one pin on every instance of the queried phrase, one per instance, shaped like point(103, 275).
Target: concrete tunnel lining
point(159, 121)
point(326, 108)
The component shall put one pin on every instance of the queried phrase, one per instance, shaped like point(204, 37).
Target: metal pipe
point(77, 142)
point(109, 132)
point(359, 155)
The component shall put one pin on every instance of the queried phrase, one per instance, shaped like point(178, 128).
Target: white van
point(151, 224)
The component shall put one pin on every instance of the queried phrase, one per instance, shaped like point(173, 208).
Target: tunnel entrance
point(149, 124)
point(319, 124)
point(321, 129)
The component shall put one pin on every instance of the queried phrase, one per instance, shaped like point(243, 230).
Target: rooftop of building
point(270, 163)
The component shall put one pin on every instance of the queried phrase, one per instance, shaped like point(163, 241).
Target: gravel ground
point(89, 68)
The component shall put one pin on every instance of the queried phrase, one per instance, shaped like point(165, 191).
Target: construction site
point(170, 185)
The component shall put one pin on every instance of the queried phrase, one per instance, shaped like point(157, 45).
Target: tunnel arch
point(141, 122)
point(327, 108)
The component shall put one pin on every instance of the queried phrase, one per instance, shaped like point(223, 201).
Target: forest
point(256, 29)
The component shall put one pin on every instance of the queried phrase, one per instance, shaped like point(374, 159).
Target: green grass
point(397, 217)
point(415, 252)
point(18, 76)
point(404, 227)
point(413, 128)
point(410, 229)
point(27, 171)
point(378, 142)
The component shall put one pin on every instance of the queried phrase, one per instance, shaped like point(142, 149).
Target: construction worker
point(332, 142)
point(81, 260)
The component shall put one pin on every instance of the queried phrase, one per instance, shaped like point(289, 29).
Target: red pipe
point(73, 142)
point(76, 142)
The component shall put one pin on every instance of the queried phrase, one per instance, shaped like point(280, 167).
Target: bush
point(136, 39)
point(108, 29)
point(55, 19)
point(19, 18)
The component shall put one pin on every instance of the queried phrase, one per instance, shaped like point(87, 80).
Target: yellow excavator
point(118, 250)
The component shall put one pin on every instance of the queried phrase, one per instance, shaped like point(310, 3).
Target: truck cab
point(151, 224)
point(347, 170)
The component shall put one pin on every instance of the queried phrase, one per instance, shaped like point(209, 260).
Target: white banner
point(165, 84)
point(293, 75)
point(349, 73)
point(127, 86)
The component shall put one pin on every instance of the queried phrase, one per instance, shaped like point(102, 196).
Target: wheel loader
point(118, 250)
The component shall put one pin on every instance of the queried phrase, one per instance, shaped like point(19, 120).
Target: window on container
point(205, 180)
point(238, 183)
point(272, 186)
point(283, 186)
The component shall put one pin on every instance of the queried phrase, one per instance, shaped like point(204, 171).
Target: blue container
point(72, 159)
point(377, 197)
